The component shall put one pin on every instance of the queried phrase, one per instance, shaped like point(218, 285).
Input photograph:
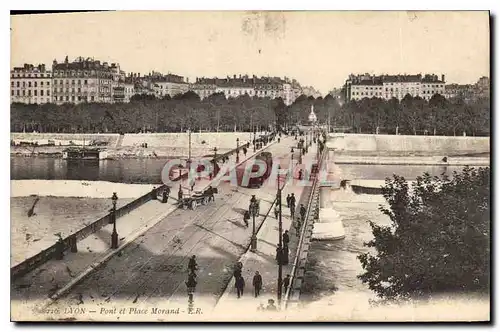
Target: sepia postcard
point(250, 166)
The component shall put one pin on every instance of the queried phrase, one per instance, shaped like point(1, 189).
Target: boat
point(84, 153)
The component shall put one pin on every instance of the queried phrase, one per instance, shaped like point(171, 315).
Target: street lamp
point(237, 150)
point(280, 244)
point(114, 235)
point(253, 210)
point(215, 162)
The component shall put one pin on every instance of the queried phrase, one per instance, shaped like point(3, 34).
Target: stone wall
point(442, 145)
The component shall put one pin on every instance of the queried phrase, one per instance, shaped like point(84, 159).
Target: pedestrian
point(288, 197)
point(192, 265)
point(303, 212)
point(286, 282)
point(300, 174)
point(271, 306)
point(292, 200)
point(286, 239)
point(153, 194)
point(240, 285)
point(279, 253)
point(179, 194)
point(164, 196)
point(284, 256)
point(245, 151)
point(246, 217)
point(237, 270)
point(292, 211)
point(276, 211)
point(191, 282)
point(257, 283)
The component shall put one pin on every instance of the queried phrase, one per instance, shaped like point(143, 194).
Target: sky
point(318, 48)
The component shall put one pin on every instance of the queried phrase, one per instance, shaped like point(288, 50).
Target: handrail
point(302, 233)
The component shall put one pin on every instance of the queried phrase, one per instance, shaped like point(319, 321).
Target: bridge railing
point(295, 278)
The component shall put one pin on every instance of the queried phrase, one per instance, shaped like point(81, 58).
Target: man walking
point(286, 282)
point(192, 266)
point(240, 285)
point(286, 239)
point(302, 212)
point(246, 217)
point(288, 197)
point(257, 283)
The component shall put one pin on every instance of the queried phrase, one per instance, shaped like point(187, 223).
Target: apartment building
point(387, 87)
point(31, 84)
point(232, 87)
point(85, 80)
point(169, 84)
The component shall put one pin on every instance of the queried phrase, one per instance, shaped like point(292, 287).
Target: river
point(149, 170)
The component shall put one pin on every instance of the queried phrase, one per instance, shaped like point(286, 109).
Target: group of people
point(290, 202)
point(257, 282)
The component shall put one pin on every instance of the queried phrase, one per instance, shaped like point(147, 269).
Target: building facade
point(169, 84)
point(387, 87)
point(469, 92)
point(233, 87)
point(30, 84)
point(85, 80)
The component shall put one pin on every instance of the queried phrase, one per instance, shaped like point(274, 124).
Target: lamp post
point(114, 235)
point(254, 138)
point(306, 145)
point(253, 208)
point(215, 162)
point(280, 244)
point(237, 150)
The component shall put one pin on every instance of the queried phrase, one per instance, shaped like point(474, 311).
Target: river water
point(149, 170)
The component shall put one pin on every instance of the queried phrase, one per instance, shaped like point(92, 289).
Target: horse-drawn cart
point(198, 198)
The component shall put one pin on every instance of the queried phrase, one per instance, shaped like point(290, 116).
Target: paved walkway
point(264, 260)
point(56, 277)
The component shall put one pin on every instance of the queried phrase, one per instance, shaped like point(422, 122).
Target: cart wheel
point(193, 204)
point(205, 201)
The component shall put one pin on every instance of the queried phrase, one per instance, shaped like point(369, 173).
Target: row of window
point(73, 98)
point(29, 75)
point(371, 93)
point(23, 92)
point(35, 84)
point(79, 73)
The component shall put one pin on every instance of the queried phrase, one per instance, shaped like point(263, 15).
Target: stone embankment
point(129, 145)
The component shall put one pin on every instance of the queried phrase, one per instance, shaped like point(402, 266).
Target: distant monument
point(312, 116)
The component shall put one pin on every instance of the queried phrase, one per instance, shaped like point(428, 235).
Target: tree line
point(145, 113)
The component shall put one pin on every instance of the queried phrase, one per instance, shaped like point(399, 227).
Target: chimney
point(442, 78)
point(187, 79)
point(240, 77)
point(234, 76)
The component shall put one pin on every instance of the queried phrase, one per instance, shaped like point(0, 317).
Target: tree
point(438, 240)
